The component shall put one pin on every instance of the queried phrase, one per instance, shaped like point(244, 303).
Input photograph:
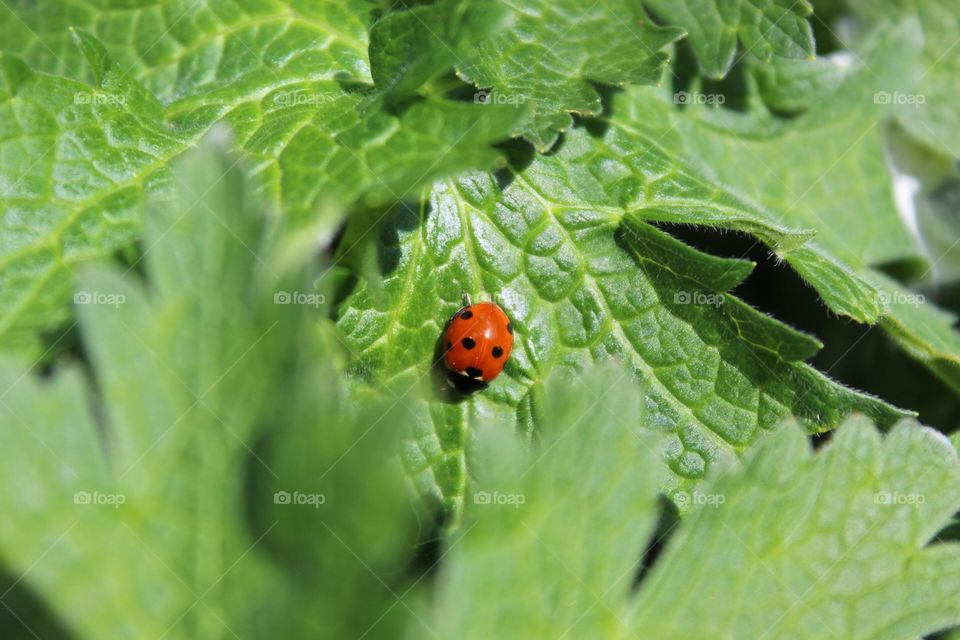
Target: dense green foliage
point(231, 233)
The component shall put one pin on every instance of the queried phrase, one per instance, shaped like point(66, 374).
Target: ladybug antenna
point(466, 298)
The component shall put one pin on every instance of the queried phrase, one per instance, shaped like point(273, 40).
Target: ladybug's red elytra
point(478, 341)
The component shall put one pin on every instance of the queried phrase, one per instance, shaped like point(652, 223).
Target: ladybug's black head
point(465, 384)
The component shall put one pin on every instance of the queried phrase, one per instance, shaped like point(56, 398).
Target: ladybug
point(478, 341)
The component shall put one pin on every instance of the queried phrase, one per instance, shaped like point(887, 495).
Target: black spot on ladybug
point(449, 345)
point(497, 352)
point(466, 315)
point(468, 343)
point(474, 372)
point(510, 327)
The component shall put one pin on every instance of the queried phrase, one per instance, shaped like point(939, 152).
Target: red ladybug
point(478, 341)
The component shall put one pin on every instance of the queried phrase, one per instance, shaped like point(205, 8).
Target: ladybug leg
point(466, 298)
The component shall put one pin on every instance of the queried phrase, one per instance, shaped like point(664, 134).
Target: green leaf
point(530, 512)
point(409, 48)
point(181, 48)
point(824, 170)
point(925, 332)
point(565, 252)
point(926, 104)
point(549, 53)
point(840, 543)
point(797, 85)
point(924, 143)
point(128, 511)
point(767, 29)
point(80, 160)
